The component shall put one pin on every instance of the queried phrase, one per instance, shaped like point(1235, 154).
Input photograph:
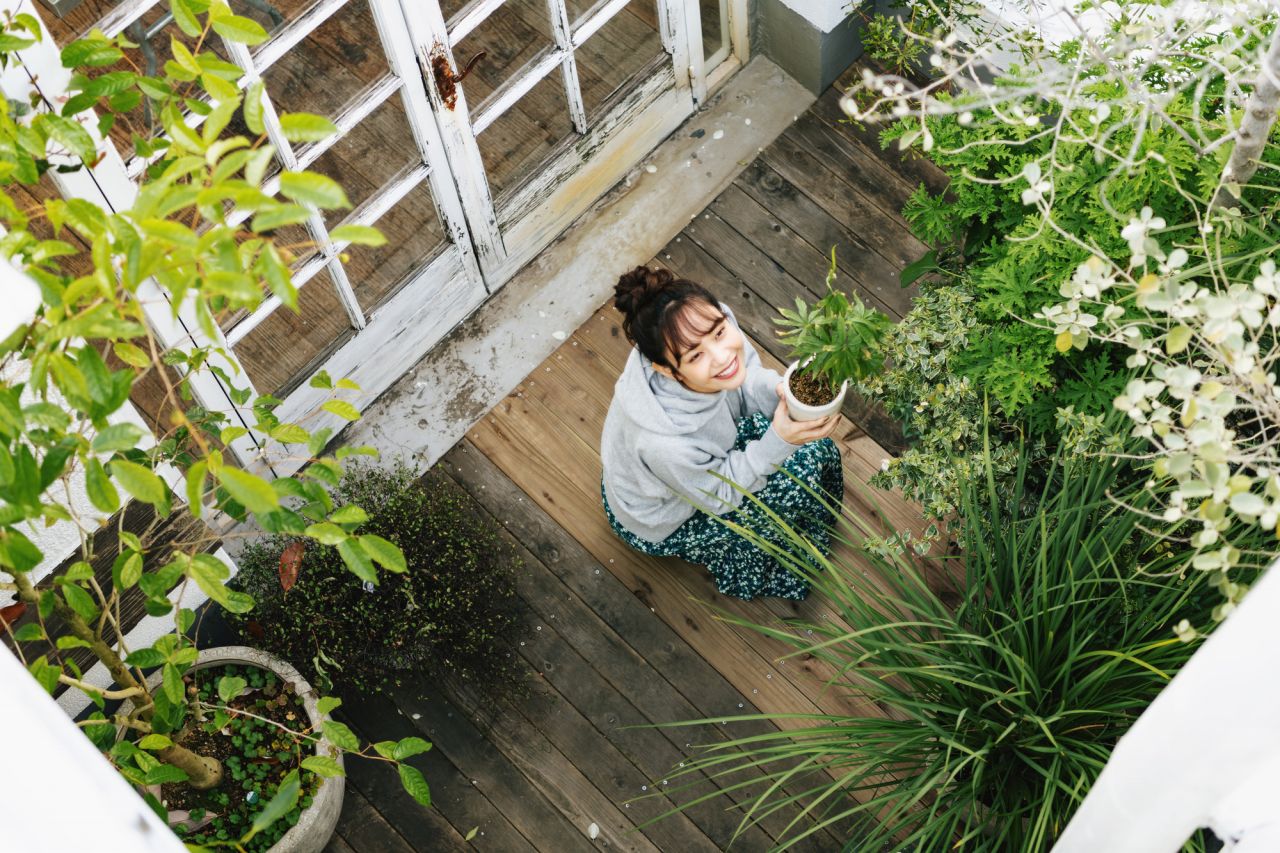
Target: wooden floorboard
point(639, 664)
point(618, 641)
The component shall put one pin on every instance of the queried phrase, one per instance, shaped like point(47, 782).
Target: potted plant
point(453, 614)
point(71, 353)
point(834, 342)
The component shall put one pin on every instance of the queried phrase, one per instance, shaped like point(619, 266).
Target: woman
point(694, 401)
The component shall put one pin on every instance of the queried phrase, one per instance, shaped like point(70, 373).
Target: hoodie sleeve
point(690, 471)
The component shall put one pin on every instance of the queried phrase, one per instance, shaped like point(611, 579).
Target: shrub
point(999, 712)
point(452, 613)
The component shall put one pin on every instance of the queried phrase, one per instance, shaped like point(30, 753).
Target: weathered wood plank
point(857, 166)
point(911, 165)
point(368, 830)
point(464, 736)
point(337, 845)
point(791, 158)
point(639, 655)
point(795, 211)
point(457, 805)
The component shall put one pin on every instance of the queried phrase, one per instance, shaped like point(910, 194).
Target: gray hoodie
point(662, 442)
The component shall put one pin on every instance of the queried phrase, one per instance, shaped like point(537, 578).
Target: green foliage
point(838, 339)
point(1001, 703)
point(70, 366)
point(451, 612)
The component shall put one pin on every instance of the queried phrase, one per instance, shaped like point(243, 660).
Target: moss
point(453, 614)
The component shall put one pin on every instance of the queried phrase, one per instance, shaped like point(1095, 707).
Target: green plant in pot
point(452, 615)
point(233, 735)
point(834, 342)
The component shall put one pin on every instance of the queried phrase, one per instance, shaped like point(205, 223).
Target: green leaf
point(45, 673)
point(290, 434)
point(253, 492)
point(323, 765)
point(140, 482)
point(253, 113)
point(311, 188)
point(195, 486)
point(278, 216)
point(92, 53)
point(102, 492)
point(131, 570)
point(357, 560)
point(471, 833)
point(281, 804)
point(327, 534)
point(306, 127)
point(349, 514)
point(185, 18)
point(155, 741)
point(117, 437)
point(241, 30)
point(415, 784)
point(145, 658)
point(1177, 340)
point(70, 134)
point(229, 687)
point(325, 705)
point(172, 683)
point(385, 748)
point(32, 631)
point(384, 553)
point(163, 774)
point(340, 735)
point(342, 409)
point(361, 235)
point(80, 601)
point(409, 747)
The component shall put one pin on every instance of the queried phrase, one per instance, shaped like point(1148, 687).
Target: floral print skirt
point(740, 568)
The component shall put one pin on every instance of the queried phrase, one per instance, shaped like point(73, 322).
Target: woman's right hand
point(801, 432)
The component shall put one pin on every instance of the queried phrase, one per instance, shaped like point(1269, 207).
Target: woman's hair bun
point(638, 286)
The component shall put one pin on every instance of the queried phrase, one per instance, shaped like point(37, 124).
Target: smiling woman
point(696, 424)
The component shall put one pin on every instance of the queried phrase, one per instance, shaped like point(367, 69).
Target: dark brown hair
point(652, 303)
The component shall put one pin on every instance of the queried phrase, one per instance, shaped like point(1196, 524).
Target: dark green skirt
point(740, 568)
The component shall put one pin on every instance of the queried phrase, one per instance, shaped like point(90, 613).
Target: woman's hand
point(800, 432)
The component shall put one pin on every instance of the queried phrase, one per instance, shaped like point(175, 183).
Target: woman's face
point(715, 362)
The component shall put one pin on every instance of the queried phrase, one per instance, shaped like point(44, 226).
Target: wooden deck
point(616, 638)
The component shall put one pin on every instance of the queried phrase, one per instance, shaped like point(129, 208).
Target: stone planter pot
point(803, 411)
point(316, 823)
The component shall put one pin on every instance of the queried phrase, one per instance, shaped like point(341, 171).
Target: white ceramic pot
point(317, 822)
point(803, 411)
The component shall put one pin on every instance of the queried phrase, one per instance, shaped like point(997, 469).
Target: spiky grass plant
point(999, 711)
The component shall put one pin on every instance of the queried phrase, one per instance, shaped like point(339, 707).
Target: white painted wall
point(826, 15)
point(61, 794)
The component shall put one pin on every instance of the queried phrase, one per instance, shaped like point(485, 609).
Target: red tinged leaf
point(11, 614)
point(290, 562)
point(255, 628)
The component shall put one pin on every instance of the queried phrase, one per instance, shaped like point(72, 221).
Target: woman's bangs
point(684, 331)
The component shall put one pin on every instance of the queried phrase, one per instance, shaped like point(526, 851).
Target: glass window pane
point(712, 14)
point(271, 15)
point(609, 60)
point(331, 66)
point(519, 141)
point(414, 236)
point(517, 33)
point(287, 347)
point(375, 151)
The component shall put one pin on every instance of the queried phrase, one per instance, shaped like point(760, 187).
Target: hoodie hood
point(656, 402)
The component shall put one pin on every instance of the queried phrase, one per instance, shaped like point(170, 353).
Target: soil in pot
point(811, 390)
point(256, 756)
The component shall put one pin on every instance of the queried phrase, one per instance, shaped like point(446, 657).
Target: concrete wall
point(812, 40)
